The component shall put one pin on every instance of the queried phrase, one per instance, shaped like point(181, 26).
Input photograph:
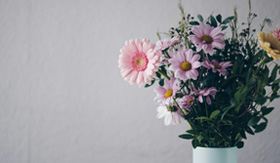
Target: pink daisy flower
point(172, 115)
point(162, 44)
point(166, 93)
point(186, 102)
point(185, 64)
point(207, 38)
point(276, 33)
point(139, 61)
point(216, 66)
point(206, 92)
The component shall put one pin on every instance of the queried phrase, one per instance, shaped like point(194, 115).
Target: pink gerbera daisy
point(207, 38)
point(206, 92)
point(139, 61)
point(185, 64)
point(186, 102)
point(276, 33)
point(216, 66)
point(166, 93)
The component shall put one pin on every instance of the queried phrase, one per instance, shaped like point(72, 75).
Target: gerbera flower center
point(206, 39)
point(168, 93)
point(190, 100)
point(217, 67)
point(186, 66)
point(139, 62)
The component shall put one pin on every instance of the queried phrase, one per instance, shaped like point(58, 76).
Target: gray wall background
point(63, 100)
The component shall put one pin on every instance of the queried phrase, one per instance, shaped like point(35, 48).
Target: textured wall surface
point(63, 100)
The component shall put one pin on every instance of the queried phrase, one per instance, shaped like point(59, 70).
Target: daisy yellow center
point(186, 66)
point(207, 39)
point(139, 62)
point(217, 67)
point(168, 93)
point(171, 109)
point(190, 100)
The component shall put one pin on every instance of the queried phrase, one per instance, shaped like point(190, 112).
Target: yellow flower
point(270, 44)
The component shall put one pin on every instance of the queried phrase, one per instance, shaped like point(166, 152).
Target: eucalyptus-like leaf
point(253, 121)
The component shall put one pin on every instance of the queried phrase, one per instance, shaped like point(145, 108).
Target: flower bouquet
point(220, 85)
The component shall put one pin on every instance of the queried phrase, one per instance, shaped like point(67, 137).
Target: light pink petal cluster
point(276, 33)
point(207, 38)
point(162, 44)
point(166, 93)
point(206, 92)
point(175, 41)
point(217, 66)
point(185, 64)
point(138, 61)
point(170, 116)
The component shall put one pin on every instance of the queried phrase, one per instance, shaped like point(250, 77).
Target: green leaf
point(240, 144)
point(193, 132)
point(242, 133)
point(261, 100)
point(227, 20)
point(260, 127)
point(158, 75)
point(253, 121)
point(213, 21)
point(148, 85)
point(195, 143)
point(215, 114)
point(219, 18)
point(266, 111)
point(244, 92)
point(200, 18)
point(276, 81)
point(161, 82)
point(273, 74)
point(186, 136)
point(194, 23)
point(249, 130)
point(202, 118)
point(224, 27)
point(226, 110)
point(252, 81)
point(237, 96)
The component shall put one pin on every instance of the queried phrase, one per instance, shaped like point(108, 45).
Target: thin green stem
point(163, 74)
point(178, 106)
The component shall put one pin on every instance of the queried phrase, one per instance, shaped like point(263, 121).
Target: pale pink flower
point(217, 66)
point(207, 38)
point(162, 44)
point(166, 93)
point(174, 41)
point(138, 61)
point(206, 92)
point(171, 114)
point(185, 64)
point(186, 102)
point(276, 33)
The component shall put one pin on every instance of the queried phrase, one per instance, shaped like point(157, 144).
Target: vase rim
point(199, 147)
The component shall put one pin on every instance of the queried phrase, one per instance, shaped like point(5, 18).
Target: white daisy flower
point(172, 115)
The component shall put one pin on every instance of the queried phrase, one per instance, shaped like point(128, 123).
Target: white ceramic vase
point(215, 155)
